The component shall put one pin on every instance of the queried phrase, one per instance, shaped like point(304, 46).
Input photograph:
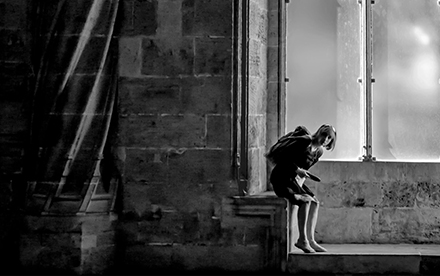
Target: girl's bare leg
point(311, 225)
point(303, 242)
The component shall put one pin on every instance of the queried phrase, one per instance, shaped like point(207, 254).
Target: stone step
point(368, 259)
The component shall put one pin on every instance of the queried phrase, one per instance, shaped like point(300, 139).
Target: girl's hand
point(302, 173)
point(304, 198)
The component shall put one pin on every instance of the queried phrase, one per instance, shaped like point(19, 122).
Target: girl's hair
point(324, 131)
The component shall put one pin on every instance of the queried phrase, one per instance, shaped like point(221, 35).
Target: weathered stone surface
point(272, 61)
point(218, 131)
point(273, 29)
point(258, 21)
point(98, 261)
point(130, 59)
point(257, 173)
point(13, 44)
point(13, 14)
point(400, 225)
point(8, 120)
point(207, 17)
point(257, 96)
point(428, 195)
point(398, 194)
point(138, 17)
point(169, 18)
point(163, 131)
point(149, 166)
point(378, 171)
point(137, 200)
point(161, 57)
point(178, 258)
point(213, 56)
point(176, 95)
point(349, 194)
point(14, 88)
point(344, 225)
point(210, 95)
point(362, 264)
point(256, 130)
point(403, 195)
point(199, 166)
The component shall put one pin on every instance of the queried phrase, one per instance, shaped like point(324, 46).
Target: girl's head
point(325, 136)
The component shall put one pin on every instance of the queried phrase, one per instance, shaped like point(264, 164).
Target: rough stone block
point(398, 194)
point(88, 241)
point(14, 88)
point(207, 95)
point(272, 64)
point(200, 166)
point(406, 225)
point(155, 96)
point(344, 225)
point(13, 14)
point(349, 194)
point(130, 58)
point(148, 166)
point(257, 172)
point(169, 18)
point(207, 17)
point(14, 45)
point(429, 265)
point(258, 21)
point(178, 258)
point(163, 131)
point(428, 195)
point(137, 17)
point(98, 261)
point(13, 119)
point(362, 264)
point(213, 56)
point(257, 96)
point(219, 131)
point(164, 57)
point(256, 131)
point(163, 227)
point(255, 57)
point(175, 95)
point(137, 200)
point(273, 28)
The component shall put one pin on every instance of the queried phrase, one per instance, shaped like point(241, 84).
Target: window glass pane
point(406, 60)
point(323, 65)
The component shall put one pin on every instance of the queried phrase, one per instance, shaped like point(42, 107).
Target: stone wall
point(378, 202)
point(16, 74)
point(175, 98)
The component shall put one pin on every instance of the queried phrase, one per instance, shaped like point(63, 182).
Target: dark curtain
point(75, 57)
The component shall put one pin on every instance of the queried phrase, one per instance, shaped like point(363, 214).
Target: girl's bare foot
point(317, 247)
point(304, 246)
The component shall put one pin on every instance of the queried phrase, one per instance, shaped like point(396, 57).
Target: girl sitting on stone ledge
point(293, 155)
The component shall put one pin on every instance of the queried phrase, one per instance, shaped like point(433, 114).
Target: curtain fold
point(73, 103)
